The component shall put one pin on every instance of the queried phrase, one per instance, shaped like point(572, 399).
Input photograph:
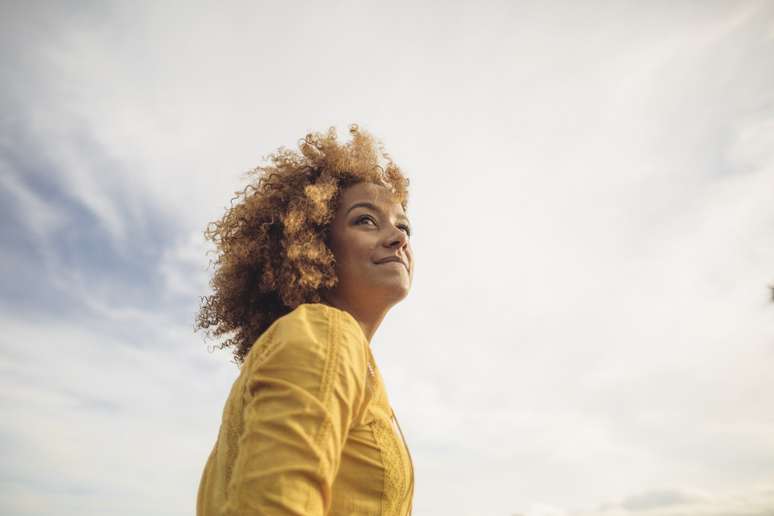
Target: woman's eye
point(365, 219)
point(405, 229)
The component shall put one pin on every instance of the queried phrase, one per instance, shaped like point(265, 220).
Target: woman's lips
point(392, 259)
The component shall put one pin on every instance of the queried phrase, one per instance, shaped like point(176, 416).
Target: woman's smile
point(393, 260)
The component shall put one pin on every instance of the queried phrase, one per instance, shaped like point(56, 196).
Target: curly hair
point(271, 244)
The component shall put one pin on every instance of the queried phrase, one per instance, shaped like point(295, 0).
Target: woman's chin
point(395, 293)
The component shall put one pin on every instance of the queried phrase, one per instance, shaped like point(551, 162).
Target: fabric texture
point(307, 428)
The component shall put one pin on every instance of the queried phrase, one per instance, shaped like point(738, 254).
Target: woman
point(310, 259)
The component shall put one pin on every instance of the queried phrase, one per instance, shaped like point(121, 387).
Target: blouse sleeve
point(300, 399)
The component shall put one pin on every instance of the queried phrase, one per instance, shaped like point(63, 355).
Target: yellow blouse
point(307, 428)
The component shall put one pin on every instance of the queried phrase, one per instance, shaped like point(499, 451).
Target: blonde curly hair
point(271, 243)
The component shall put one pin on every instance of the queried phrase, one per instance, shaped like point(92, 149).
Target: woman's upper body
point(307, 428)
point(311, 258)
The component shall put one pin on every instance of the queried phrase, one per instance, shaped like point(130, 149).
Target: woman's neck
point(369, 318)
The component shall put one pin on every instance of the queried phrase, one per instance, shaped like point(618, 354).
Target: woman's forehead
point(371, 193)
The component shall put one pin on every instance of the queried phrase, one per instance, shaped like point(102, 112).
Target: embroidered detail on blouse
point(396, 471)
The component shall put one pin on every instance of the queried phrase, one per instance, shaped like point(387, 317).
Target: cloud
point(91, 412)
point(79, 233)
point(659, 500)
point(676, 502)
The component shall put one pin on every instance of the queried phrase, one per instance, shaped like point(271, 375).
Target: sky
point(591, 327)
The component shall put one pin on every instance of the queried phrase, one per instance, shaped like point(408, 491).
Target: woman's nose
point(398, 238)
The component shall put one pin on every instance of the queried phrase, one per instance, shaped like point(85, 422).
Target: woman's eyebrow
point(371, 206)
point(363, 204)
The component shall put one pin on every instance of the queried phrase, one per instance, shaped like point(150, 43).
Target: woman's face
point(369, 238)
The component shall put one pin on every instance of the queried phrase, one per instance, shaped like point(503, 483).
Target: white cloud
point(755, 501)
point(184, 267)
point(41, 218)
point(93, 415)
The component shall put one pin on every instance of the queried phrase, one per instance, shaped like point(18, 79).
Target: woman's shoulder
point(314, 327)
point(318, 319)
